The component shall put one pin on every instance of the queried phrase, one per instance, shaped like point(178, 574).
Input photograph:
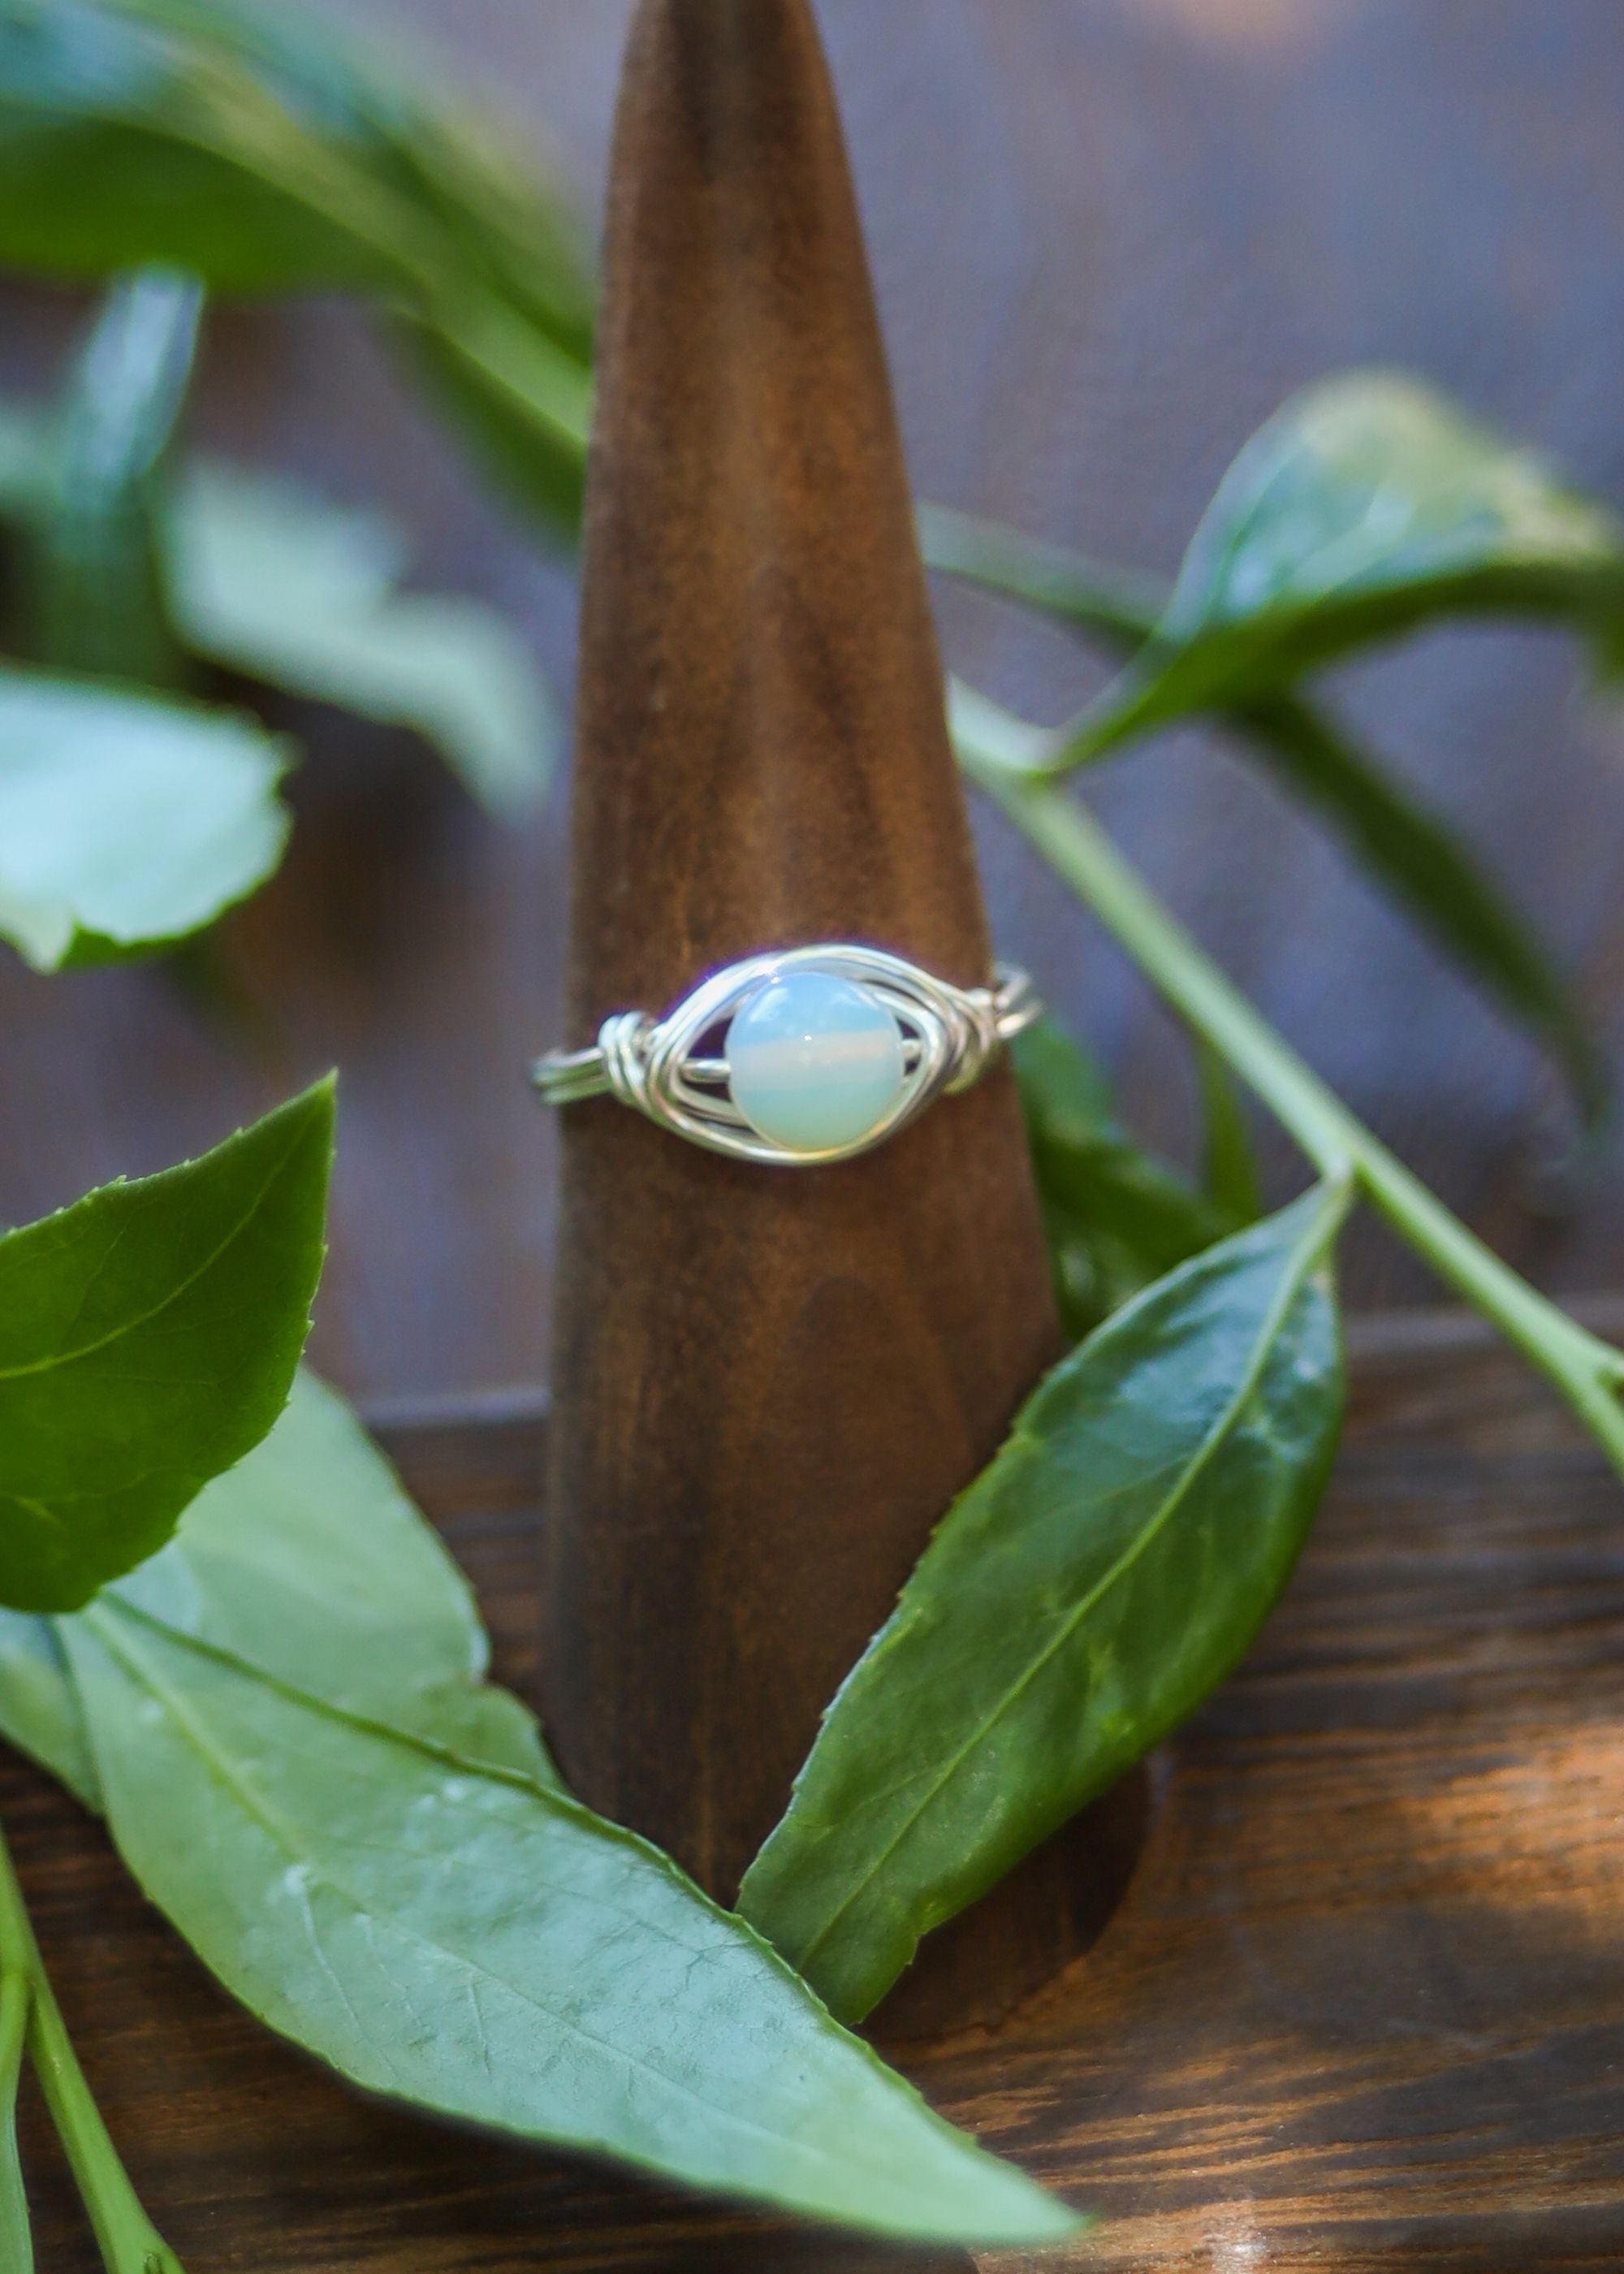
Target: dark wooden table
point(1360, 2011)
point(1109, 235)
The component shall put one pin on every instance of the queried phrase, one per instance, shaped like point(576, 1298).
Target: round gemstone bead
point(814, 1062)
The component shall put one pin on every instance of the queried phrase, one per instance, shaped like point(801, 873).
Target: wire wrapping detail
point(951, 1035)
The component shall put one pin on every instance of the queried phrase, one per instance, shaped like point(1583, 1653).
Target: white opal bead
point(814, 1062)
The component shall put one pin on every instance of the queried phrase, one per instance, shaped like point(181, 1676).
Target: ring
point(800, 1056)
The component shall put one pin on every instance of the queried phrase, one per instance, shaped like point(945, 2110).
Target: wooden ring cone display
point(769, 1384)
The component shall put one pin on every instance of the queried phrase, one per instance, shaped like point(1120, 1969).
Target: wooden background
point(1109, 235)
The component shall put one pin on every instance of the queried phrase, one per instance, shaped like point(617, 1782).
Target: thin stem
point(1585, 1370)
point(16, 2238)
point(128, 2242)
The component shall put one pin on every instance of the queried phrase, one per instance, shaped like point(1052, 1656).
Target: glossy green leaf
point(473, 1942)
point(126, 820)
point(282, 586)
point(308, 1562)
point(1408, 851)
point(1075, 1604)
point(1115, 1217)
point(149, 1336)
point(1366, 506)
point(95, 588)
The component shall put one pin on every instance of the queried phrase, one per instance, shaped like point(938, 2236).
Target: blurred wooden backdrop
point(1109, 236)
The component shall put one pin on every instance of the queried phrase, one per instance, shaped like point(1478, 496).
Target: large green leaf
point(1075, 1604)
point(126, 820)
point(308, 1562)
point(278, 583)
point(148, 1335)
point(1367, 505)
point(94, 597)
point(472, 1941)
point(1115, 1217)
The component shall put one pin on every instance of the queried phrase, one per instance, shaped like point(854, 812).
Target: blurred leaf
point(126, 821)
point(1366, 506)
point(1120, 605)
point(97, 599)
point(521, 406)
point(472, 1942)
point(1115, 1217)
point(40, 1709)
point(1075, 1604)
point(282, 586)
point(148, 1335)
point(445, 156)
point(262, 154)
point(123, 141)
point(1229, 1167)
point(1430, 874)
point(1405, 848)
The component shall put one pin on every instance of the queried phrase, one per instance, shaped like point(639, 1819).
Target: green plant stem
point(1585, 1370)
point(129, 2242)
point(15, 2240)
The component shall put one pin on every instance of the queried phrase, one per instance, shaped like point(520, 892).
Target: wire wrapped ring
point(798, 1058)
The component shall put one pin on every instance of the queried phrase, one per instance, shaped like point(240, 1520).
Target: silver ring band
point(798, 1058)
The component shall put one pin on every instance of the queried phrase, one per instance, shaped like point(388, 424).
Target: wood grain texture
point(768, 1385)
point(1359, 2013)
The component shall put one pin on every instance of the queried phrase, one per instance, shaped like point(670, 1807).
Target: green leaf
point(148, 1335)
point(126, 820)
point(522, 405)
point(1428, 872)
point(1411, 853)
point(308, 1562)
point(1118, 606)
point(95, 597)
point(1366, 506)
point(123, 141)
point(1115, 1217)
point(442, 155)
point(1228, 1166)
point(1076, 1603)
point(39, 1711)
point(470, 1941)
point(275, 583)
point(264, 155)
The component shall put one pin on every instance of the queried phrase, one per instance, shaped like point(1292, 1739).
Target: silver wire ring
point(948, 1036)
